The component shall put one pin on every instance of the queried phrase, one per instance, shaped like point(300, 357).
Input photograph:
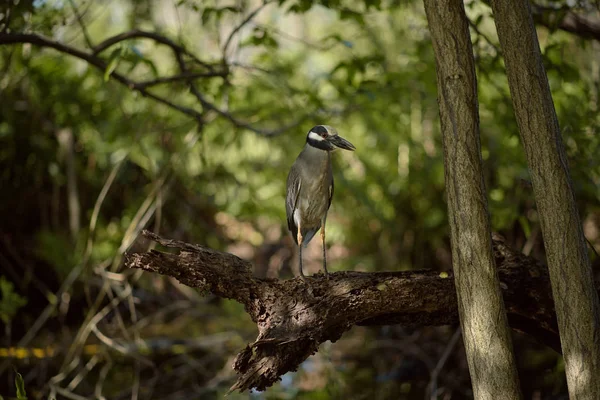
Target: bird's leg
point(300, 253)
point(300, 264)
point(324, 250)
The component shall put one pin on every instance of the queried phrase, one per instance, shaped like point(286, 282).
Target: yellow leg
point(324, 250)
point(300, 238)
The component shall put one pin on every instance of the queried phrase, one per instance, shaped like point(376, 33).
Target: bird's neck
point(316, 155)
point(317, 162)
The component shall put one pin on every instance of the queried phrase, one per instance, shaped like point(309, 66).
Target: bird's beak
point(340, 142)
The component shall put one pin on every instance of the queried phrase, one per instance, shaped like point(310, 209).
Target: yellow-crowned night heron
point(310, 187)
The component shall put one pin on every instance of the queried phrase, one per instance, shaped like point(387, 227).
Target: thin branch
point(84, 30)
point(241, 124)
point(158, 38)
point(251, 67)
point(432, 387)
point(489, 41)
point(294, 317)
point(180, 77)
point(293, 38)
point(242, 24)
point(228, 116)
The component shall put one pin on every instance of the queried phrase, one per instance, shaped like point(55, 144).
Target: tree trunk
point(482, 315)
point(570, 272)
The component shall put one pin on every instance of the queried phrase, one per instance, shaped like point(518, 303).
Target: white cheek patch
point(315, 136)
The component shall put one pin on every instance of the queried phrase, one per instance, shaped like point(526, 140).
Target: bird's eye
point(324, 135)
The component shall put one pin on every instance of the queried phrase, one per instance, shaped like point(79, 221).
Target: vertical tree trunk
point(570, 273)
point(481, 309)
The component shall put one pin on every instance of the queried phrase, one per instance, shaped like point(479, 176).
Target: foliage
point(20, 385)
point(10, 302)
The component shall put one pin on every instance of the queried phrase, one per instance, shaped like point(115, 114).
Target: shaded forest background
point(188, 127)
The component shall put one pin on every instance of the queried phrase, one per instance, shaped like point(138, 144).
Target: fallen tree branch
point(294, 318)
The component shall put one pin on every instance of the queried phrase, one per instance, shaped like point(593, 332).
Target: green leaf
point(11, 302)
point(134, 56)
point(260, 37)
point(524, 222)
point(20, 384)
point(376, 4)
point(113, 62)
point(150, 65)
point(209, 13)
point(346, 13)
point(338, 38)
point(300, 7)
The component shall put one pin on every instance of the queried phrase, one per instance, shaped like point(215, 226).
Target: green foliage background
point(87, 162)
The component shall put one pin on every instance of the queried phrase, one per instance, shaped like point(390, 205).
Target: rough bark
point(486, 334)
point(294, 318)
point(570, 272)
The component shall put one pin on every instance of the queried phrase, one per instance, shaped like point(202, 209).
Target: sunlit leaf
point(113, 62)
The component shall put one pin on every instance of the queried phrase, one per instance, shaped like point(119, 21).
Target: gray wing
point(330, 193)
point(330, 179)
point(291, 200)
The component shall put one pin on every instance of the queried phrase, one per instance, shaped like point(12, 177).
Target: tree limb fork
point(294, 318)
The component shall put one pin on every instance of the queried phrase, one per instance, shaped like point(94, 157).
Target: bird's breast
point(314, 203)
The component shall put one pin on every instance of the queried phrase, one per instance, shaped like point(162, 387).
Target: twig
point(83, 372)
point(67, 393)
point(440, 364)
point(489, 41)
point(244, 125)
point(136, 33)
point(293, 38)
point(180, 77)
point(228, 116)
point(242, 24)
point(86, 35)
point(101, 378)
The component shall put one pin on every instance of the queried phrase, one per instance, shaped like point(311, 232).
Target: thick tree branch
point(294, 318)
point(567, 20)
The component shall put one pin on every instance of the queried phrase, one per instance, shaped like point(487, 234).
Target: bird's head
point(326, 138)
